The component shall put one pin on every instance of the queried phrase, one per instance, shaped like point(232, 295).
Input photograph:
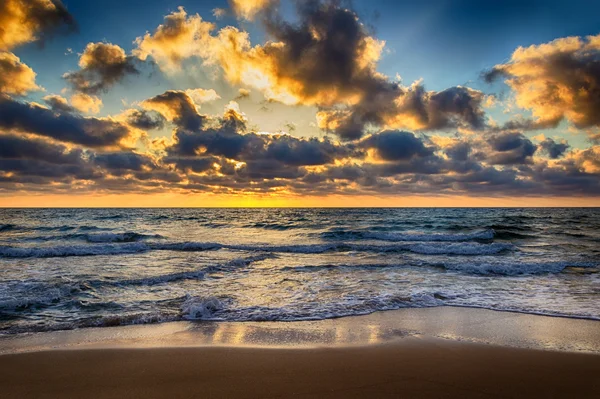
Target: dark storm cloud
point(145, 120)
point(304, 152)
point(196, 164)
point(102, 66)
point(553, 149)
point(72, 128)
point(396, 145)
point(17, 147)
point(459, 151)
point(177, 107)
point(59, 104)
point(510, 149)
point(129, 161)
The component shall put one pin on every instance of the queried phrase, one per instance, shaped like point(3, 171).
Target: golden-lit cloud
point(16, 78)
point(176, 106)
point(327, 59)
point(101, 66)
point(58, 103)
point(248, 9)
point(556, 80)
point(202, 95)
point(86, 103)
point(243, 93)
point(288, 71)
point(178, 38)
point(413, 108)
point(24, 21)
point(79, 102)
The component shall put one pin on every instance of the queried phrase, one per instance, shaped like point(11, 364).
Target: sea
point(65, 269)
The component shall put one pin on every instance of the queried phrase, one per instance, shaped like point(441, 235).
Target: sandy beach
point(455, 353)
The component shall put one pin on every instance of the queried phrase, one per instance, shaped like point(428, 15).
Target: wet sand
point(380, 355)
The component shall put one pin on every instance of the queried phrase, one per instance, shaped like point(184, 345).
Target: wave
point(71, 250)
point(96, 238)
point(43, 294)
point(187, 275)
point(212, 308)
point(201, 308)
point(477, 268)
point(512, 227)
point(220, 309)
point(511, 235)
point(6, 227)
point(135, 247)
point(429, 249)
point(109, 217)
point(119, 237)
point(391, 236)
point(62, 228)
point(39, 294)
point(515, 269)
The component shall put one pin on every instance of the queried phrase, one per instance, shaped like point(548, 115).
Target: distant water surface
point(74, 268)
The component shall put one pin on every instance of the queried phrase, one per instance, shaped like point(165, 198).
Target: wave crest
point(412, 236)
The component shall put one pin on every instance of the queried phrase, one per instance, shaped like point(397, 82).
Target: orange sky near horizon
point(231, 201)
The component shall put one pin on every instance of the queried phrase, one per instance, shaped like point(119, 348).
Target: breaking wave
point(136, 247)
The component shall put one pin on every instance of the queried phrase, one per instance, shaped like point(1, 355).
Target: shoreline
point(460, 324)
point(418, 353)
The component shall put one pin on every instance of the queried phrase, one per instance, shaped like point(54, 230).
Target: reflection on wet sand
point(474, 325)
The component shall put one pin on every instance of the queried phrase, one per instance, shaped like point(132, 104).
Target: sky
point(299, 103)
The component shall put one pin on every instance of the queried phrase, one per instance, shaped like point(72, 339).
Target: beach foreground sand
point(402, 363)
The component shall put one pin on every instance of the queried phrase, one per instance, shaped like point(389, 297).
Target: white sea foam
point(201, 308)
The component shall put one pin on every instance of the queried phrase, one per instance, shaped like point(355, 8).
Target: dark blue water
point(74, 268)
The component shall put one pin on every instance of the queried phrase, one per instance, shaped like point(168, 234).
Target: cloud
point(16, 78)
point(222, 156)
point(242, 94)
point(123, 161)
point(396, 145)
point(18, 147)
point(58, 103)
point(68, 127)
point(86, 103)
point(556, 80)
point(324, 58)
point(177, 107)
point(145, 120)
point(510, 149)
point(24, 21)
point(102, 66)
point(411, 107)
point(80, 102)
point(248, 9)
point(200, 96)
point(327, 58)
point(178, 38)
point(553, 149)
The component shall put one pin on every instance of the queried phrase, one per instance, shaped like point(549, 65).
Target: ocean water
point(77, 268)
